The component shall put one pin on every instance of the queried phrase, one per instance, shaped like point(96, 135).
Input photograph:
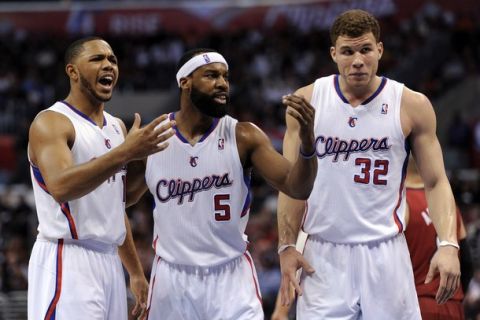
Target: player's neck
point(357, 95)
point(92, 109)
point(192, 125)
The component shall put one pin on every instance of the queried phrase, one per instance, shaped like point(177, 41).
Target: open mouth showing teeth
point(221, 97)
point(106, 81)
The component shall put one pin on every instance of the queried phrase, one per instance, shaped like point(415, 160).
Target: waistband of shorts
point(317, 238)
point(205, 270)
point(86, 244)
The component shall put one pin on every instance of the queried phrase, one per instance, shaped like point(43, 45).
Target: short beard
point(207, 105)
point(86, 87)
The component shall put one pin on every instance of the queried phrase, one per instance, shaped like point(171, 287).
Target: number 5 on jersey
point(222, 207)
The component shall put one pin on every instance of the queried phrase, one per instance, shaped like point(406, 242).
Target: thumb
point(430, 274)
point(306, 266)
point(136, 122)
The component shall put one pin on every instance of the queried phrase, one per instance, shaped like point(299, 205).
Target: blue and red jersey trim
point(65, 207)
point(39, 178)
point(71, 223)
point(336, 83)
point(83, 115)
point(205, 135)
point(248, 199)
point(396, 217)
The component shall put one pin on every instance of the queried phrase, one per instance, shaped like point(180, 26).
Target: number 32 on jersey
point(378, 171)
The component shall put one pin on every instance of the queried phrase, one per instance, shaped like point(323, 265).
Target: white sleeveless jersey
point(362, 155)
point(202, 198)
point(99, 215)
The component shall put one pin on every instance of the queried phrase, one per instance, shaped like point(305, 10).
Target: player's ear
point(380, 50)
point(333, 54)
point(71, 71)
point(185, 83)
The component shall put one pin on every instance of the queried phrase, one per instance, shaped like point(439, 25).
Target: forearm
point(442, 210)
point(136, 185)
point(289, 215)
point(302, 177)
point(128, 253)
point(79, 180)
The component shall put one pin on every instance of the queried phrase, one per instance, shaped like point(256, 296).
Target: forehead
point(95, 47)
point(364, 39)
point(216, 67)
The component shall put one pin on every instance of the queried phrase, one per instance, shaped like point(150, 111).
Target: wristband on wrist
point(284, 247)
point(445, 243)
point(309, 155)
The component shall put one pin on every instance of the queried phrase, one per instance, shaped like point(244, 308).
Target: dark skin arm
point(131, 262)
point(136, 184)
point(290, 213)
point(51, 137)
point(294, 178)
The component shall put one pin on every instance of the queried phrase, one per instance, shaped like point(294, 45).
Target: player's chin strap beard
point(207, 105)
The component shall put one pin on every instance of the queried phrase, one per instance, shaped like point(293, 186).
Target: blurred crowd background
point(431, 46)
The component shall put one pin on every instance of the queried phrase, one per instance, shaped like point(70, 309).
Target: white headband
point(199, 61)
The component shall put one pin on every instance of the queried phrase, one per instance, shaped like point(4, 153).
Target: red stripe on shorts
point(253, 276)
point(58, 285)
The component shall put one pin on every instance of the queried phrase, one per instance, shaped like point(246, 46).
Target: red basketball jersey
point(422, 243)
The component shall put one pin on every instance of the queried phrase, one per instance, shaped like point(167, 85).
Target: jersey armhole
point(398, 111)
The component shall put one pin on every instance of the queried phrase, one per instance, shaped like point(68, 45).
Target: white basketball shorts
point(75, 280)
point(372, 281)
point(226, 292)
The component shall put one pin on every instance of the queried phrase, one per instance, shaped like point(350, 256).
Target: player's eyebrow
point(102, 56)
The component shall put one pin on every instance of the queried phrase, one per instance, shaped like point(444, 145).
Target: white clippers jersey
point(98, 215)
point(201, 196)
point(362, 155)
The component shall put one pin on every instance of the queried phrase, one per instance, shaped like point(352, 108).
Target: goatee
point(86, 87)
point(207, 105)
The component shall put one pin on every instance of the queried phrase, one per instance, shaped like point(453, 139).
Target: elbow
point(60, 197)
point(300, 196)
point(131, 200)
point(302, 193)
point(60, 194)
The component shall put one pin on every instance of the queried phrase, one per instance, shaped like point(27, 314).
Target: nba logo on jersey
point(384, 108)
point(206, 58)
point(115, 128)
point(221, 144)
point(352, 121)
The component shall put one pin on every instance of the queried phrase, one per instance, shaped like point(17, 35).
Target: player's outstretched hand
point(300, 109)
point(139, 288)
point(141, 142)
point(445, 261)
point(290, 261)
